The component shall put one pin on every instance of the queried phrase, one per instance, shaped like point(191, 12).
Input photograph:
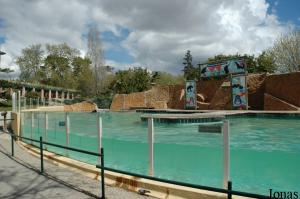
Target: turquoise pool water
point(265, 152)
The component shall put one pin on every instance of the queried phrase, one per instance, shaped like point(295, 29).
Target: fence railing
point(226, 156)
point(22, 103)
point(227, 191)
point(41, 147)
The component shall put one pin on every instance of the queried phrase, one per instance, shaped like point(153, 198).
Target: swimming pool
point(265, 151)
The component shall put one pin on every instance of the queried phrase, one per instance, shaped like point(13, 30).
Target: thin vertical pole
point(12, 145)
point(19, 102)
point(99, 133)
point(67, 123)
point(229, 195)
point(102, 173)
point(25, 103)
point(46, 127)
point(42, 155)
point(32, 125)
point(150, 143)
point(226, 156)
point(30, 103)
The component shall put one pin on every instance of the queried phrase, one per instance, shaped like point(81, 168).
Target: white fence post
point(32, 125)
point(150, 142)
point(226, 156)
point(13, 97)
point(46, 128)
point(67, 123)
point(99, 134)
point(19, 102)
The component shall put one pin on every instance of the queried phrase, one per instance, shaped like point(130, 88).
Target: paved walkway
point(20, 178)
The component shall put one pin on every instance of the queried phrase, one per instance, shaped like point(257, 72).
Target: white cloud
point(161, 31)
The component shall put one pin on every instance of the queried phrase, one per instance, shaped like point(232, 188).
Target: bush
point(32, 94)
point(6, 103)
point(103, 101)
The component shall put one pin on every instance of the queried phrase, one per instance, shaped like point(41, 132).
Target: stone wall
point(256, 90)
point(85, 106)
point(275, 104)
point(208, 88)
point(269, 92)
point(160, 97)
point(286, 87)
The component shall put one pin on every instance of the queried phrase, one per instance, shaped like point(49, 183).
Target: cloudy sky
point(154, 34)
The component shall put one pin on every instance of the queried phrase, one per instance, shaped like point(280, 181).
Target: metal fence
point(42, 143)
point(22, 103)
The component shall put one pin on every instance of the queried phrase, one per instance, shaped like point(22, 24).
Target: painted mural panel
point(190, 95)
point(235, 66)
point(239, 92)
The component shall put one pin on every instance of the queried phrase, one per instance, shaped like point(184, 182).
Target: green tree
point(83, 75)
point(58, 65)
point(189, 71)
point(132, 80)
point(30, 62)
point(286, 52)
point(164, 78)
point(60, 71)
point(62, 50)
point(265, 62)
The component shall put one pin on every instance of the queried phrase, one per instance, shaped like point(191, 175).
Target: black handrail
point(228, 191)
point(41, 142)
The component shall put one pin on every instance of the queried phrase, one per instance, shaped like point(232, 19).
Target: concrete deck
point(20, 178)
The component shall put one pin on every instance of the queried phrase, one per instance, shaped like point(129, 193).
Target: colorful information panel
point(239, 92)
point(235, 66)
point(190, 95)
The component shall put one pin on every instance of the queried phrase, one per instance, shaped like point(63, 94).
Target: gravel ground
point(20, 178)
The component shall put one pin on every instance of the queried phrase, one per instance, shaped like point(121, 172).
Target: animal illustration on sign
point(190, 94)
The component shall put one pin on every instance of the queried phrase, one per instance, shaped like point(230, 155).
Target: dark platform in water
point(184, 118)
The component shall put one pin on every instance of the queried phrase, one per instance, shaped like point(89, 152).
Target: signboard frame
point(245, 92)
point(220, 66)
point(190, 95)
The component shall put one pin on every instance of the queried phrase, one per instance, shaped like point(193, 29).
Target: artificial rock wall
point(265, 92)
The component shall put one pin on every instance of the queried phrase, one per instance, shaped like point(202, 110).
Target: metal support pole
point(46, 127)
point(19, 102)
point(229, 195)
point(102, 173)
point(30, 103)
point(42, 155)
point(24, 103)
point(67, 123)
point(12, 145)
point(150, 149)
point(38, 102)
point(99, 133)
point(32, 125)
point(226, 156)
